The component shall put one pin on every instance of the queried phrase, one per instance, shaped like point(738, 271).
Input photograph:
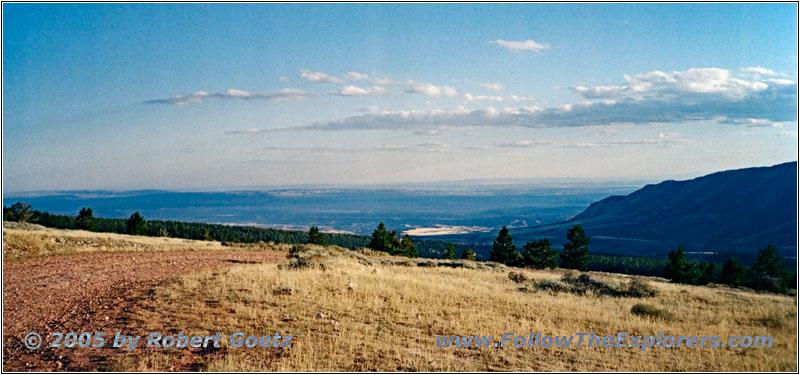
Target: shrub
point(517, 277)
point(585, 283)
point(639, 287)
point(551, 286)
point(651, 311)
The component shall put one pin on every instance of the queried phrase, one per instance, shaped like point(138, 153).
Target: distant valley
point(471, 208)
point(730, 212)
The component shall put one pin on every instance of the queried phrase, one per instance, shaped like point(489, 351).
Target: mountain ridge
point(733, 211)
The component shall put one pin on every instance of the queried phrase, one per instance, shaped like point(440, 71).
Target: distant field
point(351, 210)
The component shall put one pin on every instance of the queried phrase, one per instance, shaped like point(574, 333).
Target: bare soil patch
point(89, 293)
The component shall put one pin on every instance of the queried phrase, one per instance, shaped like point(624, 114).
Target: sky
point(215, 96)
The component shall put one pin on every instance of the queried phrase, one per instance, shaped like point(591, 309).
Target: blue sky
point(196, 96)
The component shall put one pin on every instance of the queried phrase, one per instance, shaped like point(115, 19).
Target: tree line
point(539, 254)
point(767, 273)
point(136, 224)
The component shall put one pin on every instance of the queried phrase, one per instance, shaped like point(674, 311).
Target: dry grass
point(360, 314)
point(28, 240)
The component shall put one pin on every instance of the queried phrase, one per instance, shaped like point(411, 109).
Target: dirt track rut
point(88, 293)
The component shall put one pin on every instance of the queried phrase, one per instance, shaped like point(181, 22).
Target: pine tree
point(769, 262)
point(407, 247)
point(315, 237)
point(136, 225)
point(21, 212)
point(451, 251)
point(468, 254)
point(733, 273)
point(85, 220)
point(708, 273)
point(381, 239)
point(503, 249)
point(576, 251)
point(539, 255)
point(768, 271)
point(679, 269)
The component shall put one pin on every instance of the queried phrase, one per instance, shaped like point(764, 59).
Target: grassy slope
point(31, 240)
point(388, 319)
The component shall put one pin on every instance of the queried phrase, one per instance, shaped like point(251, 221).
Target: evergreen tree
point(769, 262)
point(468, 254)
point(20, 212)
point(395, 244)
point(207, 235)
point(733, 273)
point(503, 249)
point(708, 273)
point(85, 220)
point(679, 269)
point(768, 272)
point(451, 251)
point(576, 251)
point(136, 225)
point(381, 239)
point(315, 237)
point(407, 248)
point(539, 255)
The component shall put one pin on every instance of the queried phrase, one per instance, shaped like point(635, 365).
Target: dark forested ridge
point(731, 212)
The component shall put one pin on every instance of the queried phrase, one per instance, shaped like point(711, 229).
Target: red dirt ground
point(89, 293)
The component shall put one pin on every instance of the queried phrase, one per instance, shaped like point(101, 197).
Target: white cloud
point(491, 86)
point(372, 108)
point(246, 131)
point(524, 144)
point(526, 45)
point(319, 77)
point(352, 90)
point(496, 98)
point(759, 70)
point(429, 89)
point(421, 147)
point(669, 140)
point(610, 131)
point(750, 122)
point(283, 79)
point(715, 81)
point(693, 95)
point(202, 96)
point(356, 76)
point(788, 133)
point(478, 98)
point(668, 135)
point(429, 132)
point(780, 81)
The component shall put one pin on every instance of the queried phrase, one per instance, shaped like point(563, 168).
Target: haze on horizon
point(208, 96)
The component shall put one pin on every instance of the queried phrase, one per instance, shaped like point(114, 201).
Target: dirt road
point(88, 293)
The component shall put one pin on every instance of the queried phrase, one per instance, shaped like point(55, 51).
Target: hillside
point(351, 311)
point(736, 211)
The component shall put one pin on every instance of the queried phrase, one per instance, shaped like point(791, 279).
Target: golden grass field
point(22, 240)
point(359, 314)
point(353, 317)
